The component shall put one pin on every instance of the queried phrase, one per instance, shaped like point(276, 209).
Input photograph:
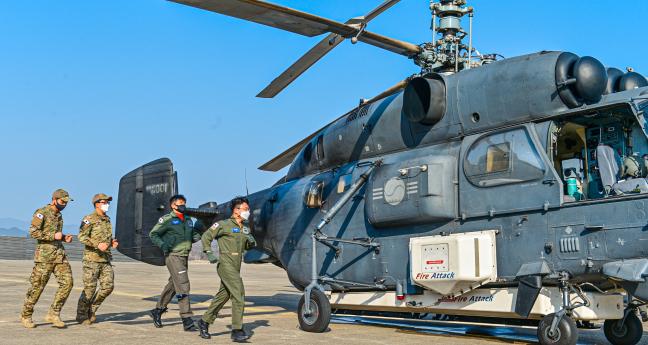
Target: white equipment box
point(454, 264)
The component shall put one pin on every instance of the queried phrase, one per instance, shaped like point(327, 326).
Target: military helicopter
point(480, 186)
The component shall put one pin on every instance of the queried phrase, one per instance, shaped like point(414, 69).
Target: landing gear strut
point(559, 328)
point(314, 307)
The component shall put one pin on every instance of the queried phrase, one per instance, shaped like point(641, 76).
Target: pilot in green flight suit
point(234, 238)
point(174, 233)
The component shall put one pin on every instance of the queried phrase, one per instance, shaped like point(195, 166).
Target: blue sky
point(89, 90)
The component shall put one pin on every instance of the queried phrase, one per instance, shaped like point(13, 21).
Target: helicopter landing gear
point(316, 319)
point(557, 329)
point(626, 331)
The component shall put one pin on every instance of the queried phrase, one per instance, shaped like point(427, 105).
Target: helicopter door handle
point(550, 182)
point(594, 227)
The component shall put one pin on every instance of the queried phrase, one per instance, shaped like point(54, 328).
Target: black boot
point(239, 335)
point(188, 324)
point(156, 314)
point(203, 327)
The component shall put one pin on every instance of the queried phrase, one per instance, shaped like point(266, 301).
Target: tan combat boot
point(27, 322)
point(93, 317)
point(54, 319)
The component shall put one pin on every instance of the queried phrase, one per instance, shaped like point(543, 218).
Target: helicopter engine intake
point(424, 101)
point(580, 80)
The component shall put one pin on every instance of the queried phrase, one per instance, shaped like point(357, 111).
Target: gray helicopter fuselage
point(513, 103)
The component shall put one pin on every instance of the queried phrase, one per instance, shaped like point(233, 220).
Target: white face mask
point(245, 215)
point(105, 207)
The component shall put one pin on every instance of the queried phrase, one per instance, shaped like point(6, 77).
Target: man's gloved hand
point(251, 242)
point(211, 257)
point(166, 248)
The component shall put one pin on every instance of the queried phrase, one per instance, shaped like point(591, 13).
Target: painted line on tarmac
point(276, 312)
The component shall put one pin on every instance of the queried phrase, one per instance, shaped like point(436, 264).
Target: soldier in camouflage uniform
point(174, 234)
point(234, 238)
point(96, 234)
point(47, 228)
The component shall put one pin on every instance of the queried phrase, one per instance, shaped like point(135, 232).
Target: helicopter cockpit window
point(503, 158)
point(320, 148)
point(308, 152)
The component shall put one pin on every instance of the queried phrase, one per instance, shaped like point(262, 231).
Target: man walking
point(174, 234)
point(234, 238)
point(47, 229)
point(96, 234)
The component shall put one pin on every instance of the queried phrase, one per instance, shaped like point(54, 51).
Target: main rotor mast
point(448, 53)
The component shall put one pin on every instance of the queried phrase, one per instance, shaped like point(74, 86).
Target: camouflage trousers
point(94, 273)
point(39, 277)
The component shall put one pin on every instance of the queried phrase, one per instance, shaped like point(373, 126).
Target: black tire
point(566, 332)
point(628, 334)
point(320, 317)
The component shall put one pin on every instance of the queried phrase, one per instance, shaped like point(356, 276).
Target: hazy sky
point(90, 90)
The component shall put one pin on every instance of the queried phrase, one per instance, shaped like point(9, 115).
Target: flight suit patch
point(236, 230)
point(39, 216)
point(246, 230)
point(161, 220)
point(175, 222)
point(214, 226)
point(86, 222)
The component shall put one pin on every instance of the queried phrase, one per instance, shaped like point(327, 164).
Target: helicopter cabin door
point(506, 171)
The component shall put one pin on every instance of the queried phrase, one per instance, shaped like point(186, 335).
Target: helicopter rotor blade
point(269, 14)
point(300, 22)
point(316, 53)
point(301, 65)
point(392, 90)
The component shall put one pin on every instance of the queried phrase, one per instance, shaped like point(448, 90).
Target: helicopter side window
point(320, 148)
point(343, 183)
point(503, 158)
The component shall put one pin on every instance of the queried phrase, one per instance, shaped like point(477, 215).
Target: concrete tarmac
point(270, 314)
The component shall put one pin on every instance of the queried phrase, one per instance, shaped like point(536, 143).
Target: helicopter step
point(484, 302)
point(555, 326)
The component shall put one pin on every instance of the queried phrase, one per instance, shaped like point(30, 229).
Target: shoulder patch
point(86, 221)
point(161, 220)
point(39, 215)
point(246, 230)
point(214, 226)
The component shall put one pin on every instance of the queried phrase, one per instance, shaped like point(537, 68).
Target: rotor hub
point(447, 52)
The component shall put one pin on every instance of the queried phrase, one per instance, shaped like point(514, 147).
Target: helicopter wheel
point(628, 333)
point(565, 334)
point(320, 316)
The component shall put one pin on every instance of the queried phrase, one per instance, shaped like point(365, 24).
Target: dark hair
point(238, 201)
point(176, 198)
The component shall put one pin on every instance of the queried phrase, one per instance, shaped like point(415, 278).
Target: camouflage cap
point(62, 194)
point(99, 197)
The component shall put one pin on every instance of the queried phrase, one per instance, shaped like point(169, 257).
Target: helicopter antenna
point(247, 192)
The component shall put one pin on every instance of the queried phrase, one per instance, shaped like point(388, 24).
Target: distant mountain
point(8, 223)
point(13, 232)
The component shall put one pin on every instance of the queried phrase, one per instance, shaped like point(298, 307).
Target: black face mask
point(181, 208)
point(59, 206)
